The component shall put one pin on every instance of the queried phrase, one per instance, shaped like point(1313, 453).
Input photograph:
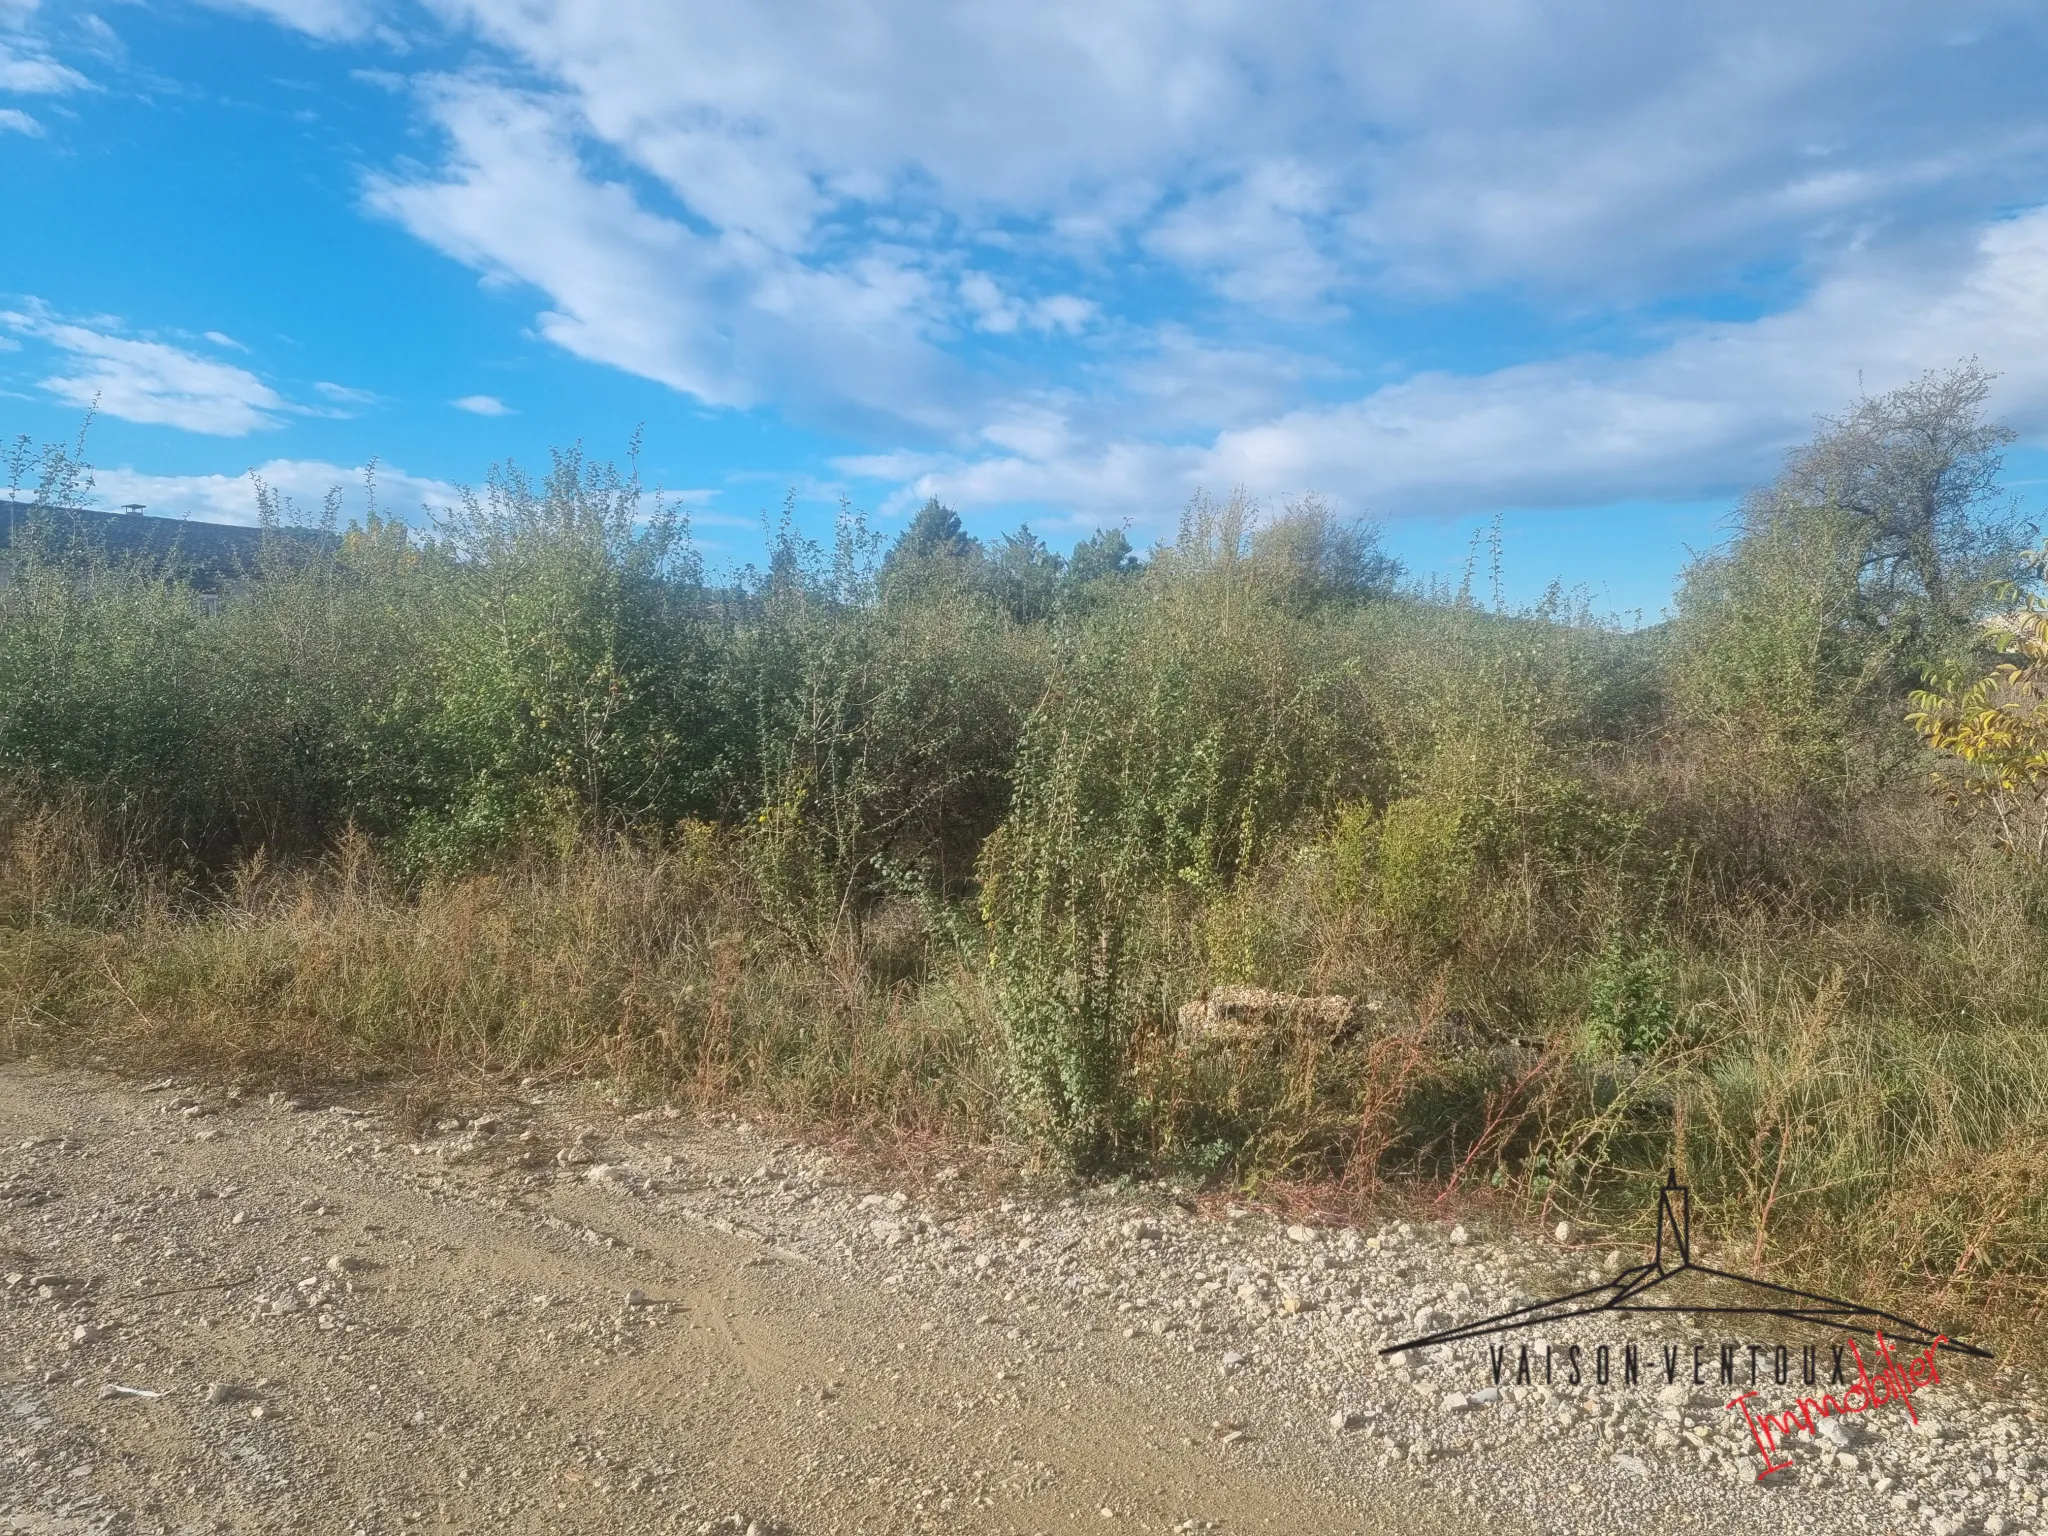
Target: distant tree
point(1324, 557)
point(935, 532)
point(1105, 553)
point(1023, 575)
point(935, 550)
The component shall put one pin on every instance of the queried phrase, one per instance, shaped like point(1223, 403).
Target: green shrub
point(1630, 996)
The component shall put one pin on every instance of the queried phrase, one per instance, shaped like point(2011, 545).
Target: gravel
point(422, 1329)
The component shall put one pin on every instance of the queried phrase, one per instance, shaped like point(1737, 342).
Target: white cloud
point(998, 312)
point(483, 405)
point(26, 66)
point(150, 381)
point(16, 121)
point(222, 339)
point(331, 19)
point(36, 76)
point(222, 498)
point(828, 208)
point(1708, 410)
point(1263, 238)
point(1472, 141)
point(343, 394)
point(33, 72)
point(717, 316)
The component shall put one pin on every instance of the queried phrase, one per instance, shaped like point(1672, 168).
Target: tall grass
point(618, 959)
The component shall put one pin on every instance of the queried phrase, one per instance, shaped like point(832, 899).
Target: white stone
point(1460, 1237)
point(1300, 1234)
point(1564, 1232)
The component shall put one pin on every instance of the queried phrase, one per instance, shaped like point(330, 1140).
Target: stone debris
point(1234, 1015)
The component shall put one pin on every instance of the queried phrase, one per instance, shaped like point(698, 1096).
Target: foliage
point(1865, 563)
point(1996, 729)
point(1185, 732)
point(942, 833)
point(1629, 1001)
point(563, 665)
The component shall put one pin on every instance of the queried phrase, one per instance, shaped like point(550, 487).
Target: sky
point(1583, 267)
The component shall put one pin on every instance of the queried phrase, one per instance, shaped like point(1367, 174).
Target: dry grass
point(650, 968)
point(1858, 1100)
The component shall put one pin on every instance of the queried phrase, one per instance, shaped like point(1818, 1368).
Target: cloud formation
point(1707, 411)
point(1425, 259)
point(1289, 148)
point(718, 315)
point(149, 381)
point(327, 19)
point(26, 64)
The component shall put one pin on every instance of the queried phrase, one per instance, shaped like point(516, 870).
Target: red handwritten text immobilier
point(1895, 1381)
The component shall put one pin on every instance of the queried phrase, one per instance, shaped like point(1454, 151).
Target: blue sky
point(1587, 267)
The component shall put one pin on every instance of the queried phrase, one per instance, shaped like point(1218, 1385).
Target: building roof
point(209, 552)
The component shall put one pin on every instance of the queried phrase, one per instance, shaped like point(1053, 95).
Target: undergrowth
point(939, 840)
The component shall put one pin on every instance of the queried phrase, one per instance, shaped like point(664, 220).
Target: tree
point(1024, 576)
point(1865, 565)
point(1323, 558)
point(1105, 554)
point(933, 550)
point(1910, 479)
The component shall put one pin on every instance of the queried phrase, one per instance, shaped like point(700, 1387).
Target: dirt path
point(544, 1318)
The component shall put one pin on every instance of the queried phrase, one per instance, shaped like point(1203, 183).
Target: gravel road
point(240, 1313)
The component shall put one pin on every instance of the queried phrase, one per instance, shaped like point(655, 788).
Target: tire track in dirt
point(482, 1369)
